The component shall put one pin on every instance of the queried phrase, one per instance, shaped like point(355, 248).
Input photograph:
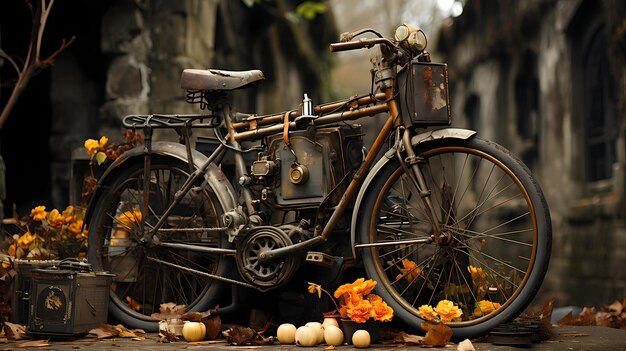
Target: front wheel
point(148, 275)
point(492, 252)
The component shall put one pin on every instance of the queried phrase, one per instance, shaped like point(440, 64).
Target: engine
point(312, 169)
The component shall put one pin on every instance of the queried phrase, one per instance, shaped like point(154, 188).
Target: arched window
point(598, 109)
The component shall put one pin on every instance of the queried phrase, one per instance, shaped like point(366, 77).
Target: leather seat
point(214, 79)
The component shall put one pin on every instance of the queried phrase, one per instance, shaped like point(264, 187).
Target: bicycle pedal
point(320, 258)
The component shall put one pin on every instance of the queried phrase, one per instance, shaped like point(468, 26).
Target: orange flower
point(360, 312)
point(410, 270)
point(360, 286)
point(485, 307)
point(427, 312)
point(380, 310)
point(39, 213)
point(447, 311)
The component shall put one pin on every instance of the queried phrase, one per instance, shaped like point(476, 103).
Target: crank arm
point(276, 253)
point(204, 274)
point(400, 242)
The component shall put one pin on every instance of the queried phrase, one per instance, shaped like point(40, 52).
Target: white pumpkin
point(361, 339)
point(319, 329)
point(330, 321)
point(333, 335)
point(194, 331)
point(306, 336)
point(286, 333)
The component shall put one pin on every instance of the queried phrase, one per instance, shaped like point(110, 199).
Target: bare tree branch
point(33, 63)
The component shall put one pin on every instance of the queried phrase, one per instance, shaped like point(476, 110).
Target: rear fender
point(216, 180)
point(426, 137)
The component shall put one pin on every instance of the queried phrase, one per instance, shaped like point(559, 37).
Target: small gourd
point(319, 330)
point(286, 333)
point(330, 321)
point(194, 331)
point(333, 335)
point(306, 336)
point(361, 339)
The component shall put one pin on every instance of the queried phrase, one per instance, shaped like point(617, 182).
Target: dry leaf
point(104, 331)
point(169, 310)
point(575, 335)
point(412, 340)
point(615, 308)
point(568, 319)
point(436, 334)
point(213, 326)
point(238, 335)
point(14, 331)
point(330, 348)
point(34, 343)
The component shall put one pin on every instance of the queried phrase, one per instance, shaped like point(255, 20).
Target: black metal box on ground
point(67, 302)
point(21, 287)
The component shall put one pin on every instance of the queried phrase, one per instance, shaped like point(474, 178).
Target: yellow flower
point(39, 213)
point(129, 219)
point(485, 307)
point(103, 141)
point(12, 250)
point(92, 146)
point(76, 227)
point(447, 311)
point(477, 272)
point(55, 220)
point(68, 214)
point(25, 240)
point(427, 312)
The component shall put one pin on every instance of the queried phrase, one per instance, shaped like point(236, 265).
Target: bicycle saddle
point(214, 79)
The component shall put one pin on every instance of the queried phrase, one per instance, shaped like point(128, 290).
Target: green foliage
point(309, 9)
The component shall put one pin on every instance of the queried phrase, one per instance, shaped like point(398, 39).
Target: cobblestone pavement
point(566, 338)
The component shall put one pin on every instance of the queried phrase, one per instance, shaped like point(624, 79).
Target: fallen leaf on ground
point(14, 331)
point(238, 335)
point(213, 326)
point(437, 334)
point(34, 343)
point(169, 310)
point(574, 335)
point(110, 331)
point(412, 340)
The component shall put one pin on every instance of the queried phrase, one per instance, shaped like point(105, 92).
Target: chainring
point(266, 275)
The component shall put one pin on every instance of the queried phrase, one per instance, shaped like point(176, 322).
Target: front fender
point(426, 137)
point(216, 180)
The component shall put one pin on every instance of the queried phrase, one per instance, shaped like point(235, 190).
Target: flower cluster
point(50, 234)
point(358, 304)
point(101, 150)
point(444, 312)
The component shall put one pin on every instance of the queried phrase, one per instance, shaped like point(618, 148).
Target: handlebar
point(359, 44)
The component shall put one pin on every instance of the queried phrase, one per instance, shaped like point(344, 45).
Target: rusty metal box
point(424, 97)
point(67, 302)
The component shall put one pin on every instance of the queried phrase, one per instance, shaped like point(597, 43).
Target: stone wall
point(515, 70)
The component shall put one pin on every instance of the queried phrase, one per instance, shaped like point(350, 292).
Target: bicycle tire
point(494, 259)
point(141, 285)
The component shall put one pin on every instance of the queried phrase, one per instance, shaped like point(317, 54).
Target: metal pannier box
point(423, 91)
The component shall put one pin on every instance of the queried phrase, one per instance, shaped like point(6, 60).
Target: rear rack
point(170, 121)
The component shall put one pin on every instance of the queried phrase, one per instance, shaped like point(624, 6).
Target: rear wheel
point(145, 276)
point(494, 246)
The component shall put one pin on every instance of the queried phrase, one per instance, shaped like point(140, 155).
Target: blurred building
point(127, 58)
point(547, 79)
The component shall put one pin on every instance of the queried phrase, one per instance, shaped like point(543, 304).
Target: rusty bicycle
point(431, 214)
